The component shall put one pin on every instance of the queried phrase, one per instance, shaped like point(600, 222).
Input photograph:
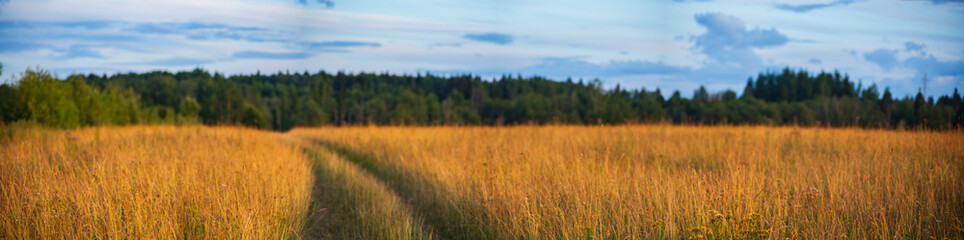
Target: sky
point(666, 44)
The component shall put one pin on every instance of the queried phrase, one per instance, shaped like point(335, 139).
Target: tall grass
point(645, 182)
point(151, 182)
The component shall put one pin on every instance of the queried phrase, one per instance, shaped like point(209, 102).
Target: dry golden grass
point(556, 182)
point(152, 182)
point(645, 182)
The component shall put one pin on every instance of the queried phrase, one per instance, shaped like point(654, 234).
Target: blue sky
point(671, 44)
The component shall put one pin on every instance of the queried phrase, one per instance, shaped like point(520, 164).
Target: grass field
point(527, 182)
point(151, 182)
point(666, 182)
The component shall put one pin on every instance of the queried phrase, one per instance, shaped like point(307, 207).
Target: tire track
point(349, 202)
point(442, 216)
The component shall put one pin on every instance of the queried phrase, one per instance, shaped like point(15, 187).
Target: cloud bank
point(727, 41)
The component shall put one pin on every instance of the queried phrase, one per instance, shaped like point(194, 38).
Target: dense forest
point(282, 101)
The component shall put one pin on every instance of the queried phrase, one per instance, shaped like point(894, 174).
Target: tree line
point(281, 101)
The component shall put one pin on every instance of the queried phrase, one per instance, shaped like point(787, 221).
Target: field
point(526, 182)
point(151, 182)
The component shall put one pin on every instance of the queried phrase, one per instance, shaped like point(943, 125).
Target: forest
point(284, 100)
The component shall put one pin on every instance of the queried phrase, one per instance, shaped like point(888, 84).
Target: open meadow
point(666, 182)
point(524, 182)
point(157, 182)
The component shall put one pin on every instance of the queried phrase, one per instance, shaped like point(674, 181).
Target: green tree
point(311, 114)
point(189, 110)
point(455, 110)
point(728, 95)
point(11, 107)
point(48, 100)
point(251, 116)
point(650, 110)
point(410, 109)
point(618, 110)
point(701, 95)
point(120, 106)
